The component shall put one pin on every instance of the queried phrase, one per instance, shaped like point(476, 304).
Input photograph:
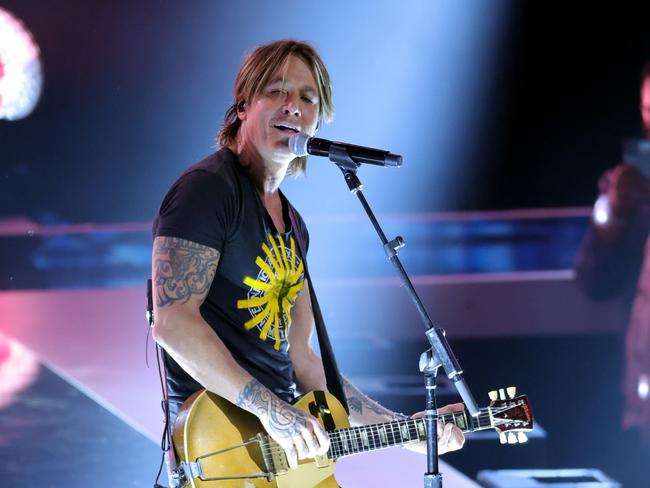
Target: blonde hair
point(255, 73)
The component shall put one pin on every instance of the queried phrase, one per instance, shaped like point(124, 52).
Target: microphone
point(301, 144)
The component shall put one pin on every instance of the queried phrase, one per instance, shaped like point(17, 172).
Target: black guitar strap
point(332, 373)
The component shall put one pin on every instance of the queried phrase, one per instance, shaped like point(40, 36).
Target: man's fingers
point(311, 442)
point(292, 456)
point(322, 438)
point(302, 448)
point(439, 428)
point(316, 439)
point(453, 407)
point(457, 439)
point(446, 435)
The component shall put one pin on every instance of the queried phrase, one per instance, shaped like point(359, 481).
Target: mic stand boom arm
point(440, 353)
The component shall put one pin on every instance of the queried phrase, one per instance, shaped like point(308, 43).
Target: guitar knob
point(493, 395)
point(502, 394)
point(502, 438)
point(512, 438)
point(521, 437)
point(512, 391)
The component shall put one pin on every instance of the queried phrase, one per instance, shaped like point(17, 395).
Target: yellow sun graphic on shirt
point(274, 291)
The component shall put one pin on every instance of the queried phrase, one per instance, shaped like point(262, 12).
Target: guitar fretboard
point(353, 440)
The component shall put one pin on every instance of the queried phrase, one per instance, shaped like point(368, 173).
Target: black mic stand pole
point(440, 353)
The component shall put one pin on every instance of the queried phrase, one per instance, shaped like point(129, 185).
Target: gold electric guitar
point(220, 445)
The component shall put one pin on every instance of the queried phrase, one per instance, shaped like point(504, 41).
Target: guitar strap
point(332, 373)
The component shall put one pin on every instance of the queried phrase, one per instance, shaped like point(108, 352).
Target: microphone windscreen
point(298, 144)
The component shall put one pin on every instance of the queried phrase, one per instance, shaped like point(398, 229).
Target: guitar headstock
point(510, 415)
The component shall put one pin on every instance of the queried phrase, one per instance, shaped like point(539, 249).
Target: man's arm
point(310, 375)
point(611, 252)
point(182, 275)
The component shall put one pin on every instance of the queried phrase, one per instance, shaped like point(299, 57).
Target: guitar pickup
point(279, 462)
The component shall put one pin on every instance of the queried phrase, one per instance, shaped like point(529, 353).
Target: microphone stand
point(440, 353)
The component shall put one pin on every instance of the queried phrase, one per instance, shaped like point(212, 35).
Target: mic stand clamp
point(429, 364)
point(440, 353)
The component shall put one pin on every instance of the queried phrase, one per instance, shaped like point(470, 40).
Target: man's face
point(645, 105)
point(287, 104)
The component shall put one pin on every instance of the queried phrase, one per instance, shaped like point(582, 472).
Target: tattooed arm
point(309, 371)
point(364, 410)
point(299, 434)
point(310, 375)
point(182, 275)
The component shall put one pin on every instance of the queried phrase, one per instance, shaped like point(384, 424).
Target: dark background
point(115, 123)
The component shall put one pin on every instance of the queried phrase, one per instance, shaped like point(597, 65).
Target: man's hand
point(626, 189)
point(450, 437)
point(298, 433)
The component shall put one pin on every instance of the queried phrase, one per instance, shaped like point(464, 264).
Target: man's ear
point(241, 110)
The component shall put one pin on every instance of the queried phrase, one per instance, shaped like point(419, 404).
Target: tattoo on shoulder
point(182, 268)
point(283, 419)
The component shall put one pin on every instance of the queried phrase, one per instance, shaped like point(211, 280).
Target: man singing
point(232, 307)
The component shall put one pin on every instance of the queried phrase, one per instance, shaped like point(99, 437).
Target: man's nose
point(290, 105)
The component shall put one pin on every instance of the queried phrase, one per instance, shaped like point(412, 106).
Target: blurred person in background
point(614, 261)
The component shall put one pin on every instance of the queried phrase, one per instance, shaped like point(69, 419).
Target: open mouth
point(289, 129)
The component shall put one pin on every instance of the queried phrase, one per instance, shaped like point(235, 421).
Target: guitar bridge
point(195, 469)
point(273, 455)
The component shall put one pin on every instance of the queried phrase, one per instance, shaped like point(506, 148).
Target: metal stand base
point(433, 480)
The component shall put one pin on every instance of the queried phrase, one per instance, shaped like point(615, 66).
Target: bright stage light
point(18, 370)
point(20, 69)
point(643, 387)
point(601, 210)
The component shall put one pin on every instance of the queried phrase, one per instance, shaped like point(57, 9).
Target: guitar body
point(208, 424)
point(220, 445)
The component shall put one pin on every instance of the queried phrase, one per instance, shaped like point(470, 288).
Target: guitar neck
point(364, 438)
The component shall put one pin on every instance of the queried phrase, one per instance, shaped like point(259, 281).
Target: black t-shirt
point(259, 276)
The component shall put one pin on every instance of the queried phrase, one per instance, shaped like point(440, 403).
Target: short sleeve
point(201, 206)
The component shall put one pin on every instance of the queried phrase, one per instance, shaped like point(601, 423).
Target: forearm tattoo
point(283, 420)
point(360, 403)
point(182, 269)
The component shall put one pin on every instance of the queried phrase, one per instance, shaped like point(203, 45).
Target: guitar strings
point(337, 443)
point(338, 440)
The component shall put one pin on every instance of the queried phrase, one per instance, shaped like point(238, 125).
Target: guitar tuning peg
point(502, 438)
point(493, 395)
point(512, 438)
point(512, 391)
point(502, 394)
point(521, 437)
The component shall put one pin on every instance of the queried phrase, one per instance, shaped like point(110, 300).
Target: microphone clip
point(338, 154)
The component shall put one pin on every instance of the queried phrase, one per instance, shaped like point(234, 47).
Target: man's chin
point(282, 154)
